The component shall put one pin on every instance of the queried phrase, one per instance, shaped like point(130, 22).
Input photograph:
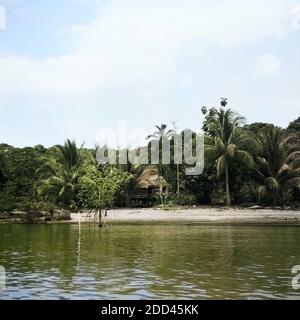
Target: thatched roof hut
point(149, 178)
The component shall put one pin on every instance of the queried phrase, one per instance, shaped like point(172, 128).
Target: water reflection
point(148, 262)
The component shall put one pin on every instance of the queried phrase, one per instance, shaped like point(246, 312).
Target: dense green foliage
point(244, 165)
point(294, 125)
point(226, 143)
point(277, 165)
point(100, 186)
point(58, 178)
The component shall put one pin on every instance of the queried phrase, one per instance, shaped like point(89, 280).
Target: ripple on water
point(150, 262)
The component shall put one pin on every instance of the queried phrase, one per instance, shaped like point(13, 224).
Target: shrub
point(187, 199)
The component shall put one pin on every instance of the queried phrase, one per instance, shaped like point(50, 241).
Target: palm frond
point(245, 158)
point(272, 184)
point(221, 164)
point(283, 172)
point(230, 151)
point(262, 191)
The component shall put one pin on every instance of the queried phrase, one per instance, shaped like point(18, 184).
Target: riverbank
point(199, 215)
point(184, 215)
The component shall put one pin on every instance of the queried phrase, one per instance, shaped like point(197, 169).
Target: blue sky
point(70, 68)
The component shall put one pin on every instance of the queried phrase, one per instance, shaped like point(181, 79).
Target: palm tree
point(226, 142)
point(69, 155)
point(224, 102)
point(59, 178)
point(277, 163)
point(177, 165)
point(161, 133)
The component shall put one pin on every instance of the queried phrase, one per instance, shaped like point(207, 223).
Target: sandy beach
point(203, 215)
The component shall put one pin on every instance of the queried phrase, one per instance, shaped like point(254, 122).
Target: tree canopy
point(244, 164)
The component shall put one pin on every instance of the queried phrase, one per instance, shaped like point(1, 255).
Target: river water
point(149, 262)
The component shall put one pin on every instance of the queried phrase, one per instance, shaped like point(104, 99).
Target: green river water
point(149, 262)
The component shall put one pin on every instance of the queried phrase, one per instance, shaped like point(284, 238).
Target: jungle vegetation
point(245, 164)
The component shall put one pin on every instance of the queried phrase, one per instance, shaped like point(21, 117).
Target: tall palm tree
point(277, 163)
point(226, 143)
point(69, 156)
point(161, 133)
point(177, 165)
point(59, 178)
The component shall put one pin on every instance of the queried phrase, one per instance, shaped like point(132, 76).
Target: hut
point(149, 183)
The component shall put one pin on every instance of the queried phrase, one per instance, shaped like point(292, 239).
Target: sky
point(71, 68)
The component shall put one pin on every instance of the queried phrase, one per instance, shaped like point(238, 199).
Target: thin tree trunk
point(100, 218)
point(281, 199)
point(178, 183)
point(228, 200)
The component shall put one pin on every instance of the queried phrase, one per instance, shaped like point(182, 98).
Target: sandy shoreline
point(196, 216)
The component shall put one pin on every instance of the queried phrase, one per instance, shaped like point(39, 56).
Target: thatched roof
point(149, 178)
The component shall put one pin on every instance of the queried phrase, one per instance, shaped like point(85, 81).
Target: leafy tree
point(99, 187)
point(18, 175)
point(162, 134)
point(60, 176)
point(277, 164)
point(2, 167)
point(256, 127)
point(227, 141)
point(294, 125)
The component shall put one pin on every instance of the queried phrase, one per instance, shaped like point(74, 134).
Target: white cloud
point(136, 41)
point(267, 65)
